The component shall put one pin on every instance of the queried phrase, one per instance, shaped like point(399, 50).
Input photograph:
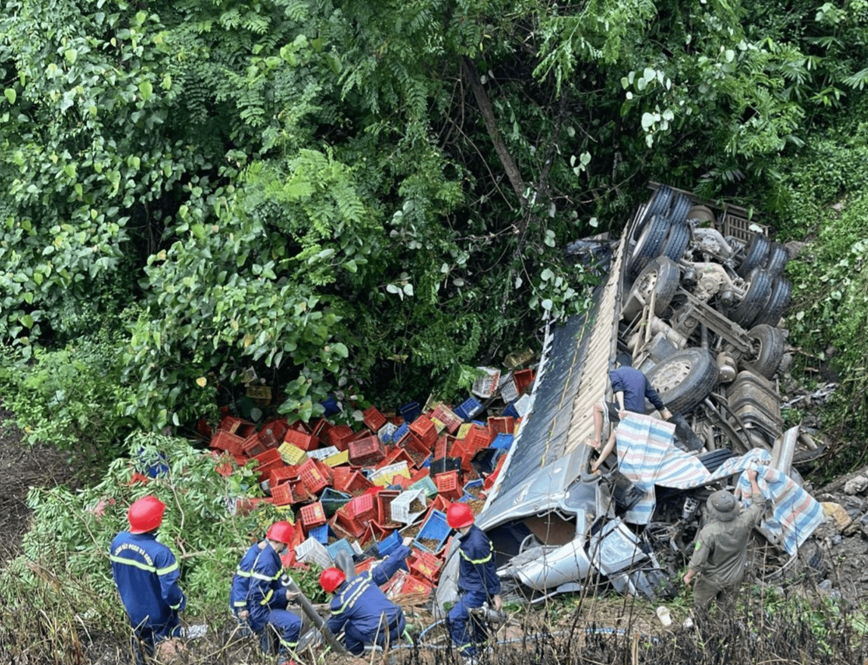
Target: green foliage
point(68, 396)
point(72, 531)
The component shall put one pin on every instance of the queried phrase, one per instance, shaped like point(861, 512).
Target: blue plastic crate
point(342, 545)
point(320, 533)
point(400, 434)
point(510, 410)
point(333, 499)
point(468, 408)
point(389, 544)
point(434, 532)
point(426, 463)
point(502, 441)
point(479, 423)
point(410, 411)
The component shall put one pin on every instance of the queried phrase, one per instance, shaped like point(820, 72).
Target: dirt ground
point(23, 467)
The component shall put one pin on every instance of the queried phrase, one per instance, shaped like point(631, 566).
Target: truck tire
point(702, 214)
point(769, 343)
point(755, 255)
point(649, 244)
point(680, 207)
point(659, 206)
point(778, 302)
point(778, 257)
point(661, 277)
point(759, 291)
point(676, 241)
point(684, 379)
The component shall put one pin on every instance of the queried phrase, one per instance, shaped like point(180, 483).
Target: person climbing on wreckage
point(719, 559)
point(630, 387)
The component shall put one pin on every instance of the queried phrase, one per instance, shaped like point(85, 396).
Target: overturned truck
point(694, 297)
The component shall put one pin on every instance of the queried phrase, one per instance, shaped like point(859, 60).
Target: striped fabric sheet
point(647, 456)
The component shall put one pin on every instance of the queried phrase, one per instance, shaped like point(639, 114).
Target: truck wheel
point(755, 255)
point(676, 241)
point(778, 257)
point(684, 379)
point(649, 244)
point(680, 207)
point(702, 214)
point(661, 277)
point(768, 343)
point(659, 205)
point(759, 291)
point(778, 302)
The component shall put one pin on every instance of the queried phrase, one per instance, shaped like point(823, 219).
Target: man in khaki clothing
point(720, 557)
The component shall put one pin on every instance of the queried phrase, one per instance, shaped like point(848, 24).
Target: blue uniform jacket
point(146, 573)
point(362, 603)
point(477, 569)
point(257, 585)
point(636, 388)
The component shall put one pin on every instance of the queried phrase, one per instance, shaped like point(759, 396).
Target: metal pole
point(316, 618)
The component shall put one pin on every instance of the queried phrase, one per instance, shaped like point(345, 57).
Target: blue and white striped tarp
point(647, 457)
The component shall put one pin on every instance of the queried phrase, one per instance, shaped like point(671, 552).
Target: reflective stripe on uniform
point(349, 602)
point(134, 563)
point(267, 598)
point(168, 569)
point(239, 603)
point(475, 561)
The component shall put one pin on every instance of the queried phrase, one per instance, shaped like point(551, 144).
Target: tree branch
point(487, 111)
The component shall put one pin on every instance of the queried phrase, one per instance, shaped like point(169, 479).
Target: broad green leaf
point(147, 89)
point(10, 95)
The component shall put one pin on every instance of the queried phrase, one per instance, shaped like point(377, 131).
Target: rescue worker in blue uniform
point(146, 574)
point(259, 593)
point(359, 606)
point(478, 582)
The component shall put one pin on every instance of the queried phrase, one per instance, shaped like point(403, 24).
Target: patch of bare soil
point(23, 466)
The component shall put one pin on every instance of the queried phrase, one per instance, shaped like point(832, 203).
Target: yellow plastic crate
point(463, 430)
point(342, 457)
point(291, 454)
point(386, 475)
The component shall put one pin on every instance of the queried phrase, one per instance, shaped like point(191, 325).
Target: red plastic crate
point(269, 438)
point(340, 532)
point(501, 425)
point(402, 482)
point(384, 501)
point(361, 508)
point(420, 474)
point(449, 485)
point(282, 474)
point(230, 443)
point(414, 443)
point(441, 446)
point(230, 424)
point(252, 446)
point(327, 472)
point(282, 495)
point(426, 565)
point(458, 449)
point(382, 531)
point(413, 584)
point(366, 451)
point(488, 483)
point(396, 456)
point(320, 428)
point(312, 515)
point(523, 379)
point(299, 491)
point(313, 479)
point(362, 566)
point(476, 439)
point(446, 416)
point(340, 437)
point(373, 419)
point(301, 440)
point(424, 430)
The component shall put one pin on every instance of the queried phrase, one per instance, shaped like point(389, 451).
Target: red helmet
point(458, 515)
point(146, 514)
point(331, 578)
point(281, 532)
